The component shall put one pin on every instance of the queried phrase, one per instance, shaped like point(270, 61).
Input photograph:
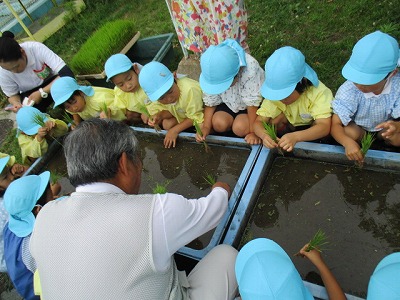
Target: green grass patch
point(10, 145)
point(109, 39)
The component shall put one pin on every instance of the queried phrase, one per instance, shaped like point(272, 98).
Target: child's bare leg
point(354, 131)
point(169, 123)
point(222, 121)
point(240, 125)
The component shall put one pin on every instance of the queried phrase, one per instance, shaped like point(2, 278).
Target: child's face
point(76, 103)
point(376, 88)
point(171, 96)
point(127, 81)
point(291, 98)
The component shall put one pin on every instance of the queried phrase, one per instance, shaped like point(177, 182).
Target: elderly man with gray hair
point(106, 241)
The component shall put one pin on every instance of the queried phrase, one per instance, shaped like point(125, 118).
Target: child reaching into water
point(231, 81)
point(179, 100)
point(370, 96)
point(296, 102)
point(129, 96)
point(84, 102)
point(34, 136)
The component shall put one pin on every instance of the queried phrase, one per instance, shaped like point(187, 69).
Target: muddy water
point(358, 209)
point(181, 170)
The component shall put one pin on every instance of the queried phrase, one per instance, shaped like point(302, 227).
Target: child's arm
point(319, 129)
point(172, 134)
point(333, 288)
point(251, 138)
point(391, 132)
point(77, 119)
point(352, 148)
point(207, 124)
point(259, 130)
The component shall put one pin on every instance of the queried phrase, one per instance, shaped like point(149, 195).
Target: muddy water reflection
point(183, 170)
point(358, 209)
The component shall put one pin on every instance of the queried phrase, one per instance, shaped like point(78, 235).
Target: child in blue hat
point(296, 102)
point(384, 282)
point(370, 96)
point(33, 135)
point(231, 80)
point(265, 271)
point(84, 102)
point(177, 101)
point(23, 200)
point(129, 96)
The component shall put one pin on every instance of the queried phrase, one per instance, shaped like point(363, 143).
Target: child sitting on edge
point(370, 96)
point(265, 271)
point(85, 102)
point(296, 102)
point(179, 100)
point(36, 130)
point(231, 81)
point(129, 96)
point(23, 200)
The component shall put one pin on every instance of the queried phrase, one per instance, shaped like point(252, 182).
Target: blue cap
point(19, 200)
point(219, 66)
point(63, 88)
point(3, 162)
point(155, 79)
point(264, 271)
point(372, 59)
point(284, 69)
point(26, 122)
point(385, 281)
point(117, 64)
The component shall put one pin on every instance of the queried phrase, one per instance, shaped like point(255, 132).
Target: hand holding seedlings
point(200, 134)
point(105, 111)
point(150, 120)
point(210, 179)
point(271, 140)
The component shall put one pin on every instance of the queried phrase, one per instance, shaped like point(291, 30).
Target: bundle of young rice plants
point(200, 133)
point(160, 188)
point(210, 179)
point(68, 119)
point(317, 242)
point(271, 131)
point(366, 142)
point(39, 118)
point(145, 111)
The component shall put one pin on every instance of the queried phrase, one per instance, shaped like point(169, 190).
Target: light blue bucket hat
point(155, 79)
point(63, 88)
point(284, 69)
point(26, 120)
point(3, 162)
point(264, 271)
point(117, 64)
point(20, 198)
point(373, 58)
point(385, 281)
point(219, 66)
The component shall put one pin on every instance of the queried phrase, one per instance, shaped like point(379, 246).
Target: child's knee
point(221, 125)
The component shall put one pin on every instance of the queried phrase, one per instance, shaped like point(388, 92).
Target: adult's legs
point(214, 278)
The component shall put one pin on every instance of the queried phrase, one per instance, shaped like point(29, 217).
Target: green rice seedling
point(161, 188)
point(68, 119)
point(210, 179)
point(104, 109)
point(54, 177)
point(199, 132)
point(271, 131)
point(366, 142)
point(145, 111)
point(107, 40)
point(318, 240)
point(38, 118)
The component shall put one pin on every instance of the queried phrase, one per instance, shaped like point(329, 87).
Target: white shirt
point(170, 233)
point(38, 56)
point(245, 92)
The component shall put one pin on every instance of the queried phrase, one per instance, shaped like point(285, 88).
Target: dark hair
point(303, 85)
point(10, 50)
point(93, 150)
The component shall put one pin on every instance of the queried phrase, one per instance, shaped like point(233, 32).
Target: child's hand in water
point(170, 139)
